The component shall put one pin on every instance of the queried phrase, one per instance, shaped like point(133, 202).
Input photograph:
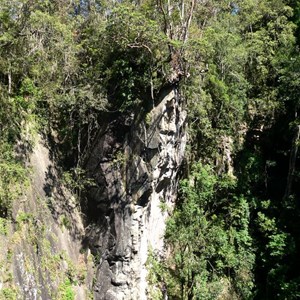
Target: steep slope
point(40, 249)
point(135, 164)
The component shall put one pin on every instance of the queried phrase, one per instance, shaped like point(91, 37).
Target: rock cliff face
point(40, 249)
point(135, 164)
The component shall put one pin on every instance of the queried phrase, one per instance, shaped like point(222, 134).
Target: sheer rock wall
point(41, 248)
point(135, 164)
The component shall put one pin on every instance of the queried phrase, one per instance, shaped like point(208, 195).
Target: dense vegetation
point(64, 65)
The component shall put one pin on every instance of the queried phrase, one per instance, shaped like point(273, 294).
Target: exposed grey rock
point(39, 251)
point(135, 167)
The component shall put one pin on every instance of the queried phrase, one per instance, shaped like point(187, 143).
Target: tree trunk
point(292, 163)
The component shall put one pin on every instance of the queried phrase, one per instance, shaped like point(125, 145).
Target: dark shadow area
point(263, 166)
point(23, 150)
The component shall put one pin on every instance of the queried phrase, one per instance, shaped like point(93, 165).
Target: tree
point(209, 240)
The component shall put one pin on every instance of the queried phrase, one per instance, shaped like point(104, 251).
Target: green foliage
point(163, 206)
point(77, 181)
point(132, 52)
point(65, 222)
point(250, 93)
point(155, 276)
point(66, 291)
point(8, 293)
point(13, 175)
point(210, 242)
point(3, 226)
point(24, 217)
